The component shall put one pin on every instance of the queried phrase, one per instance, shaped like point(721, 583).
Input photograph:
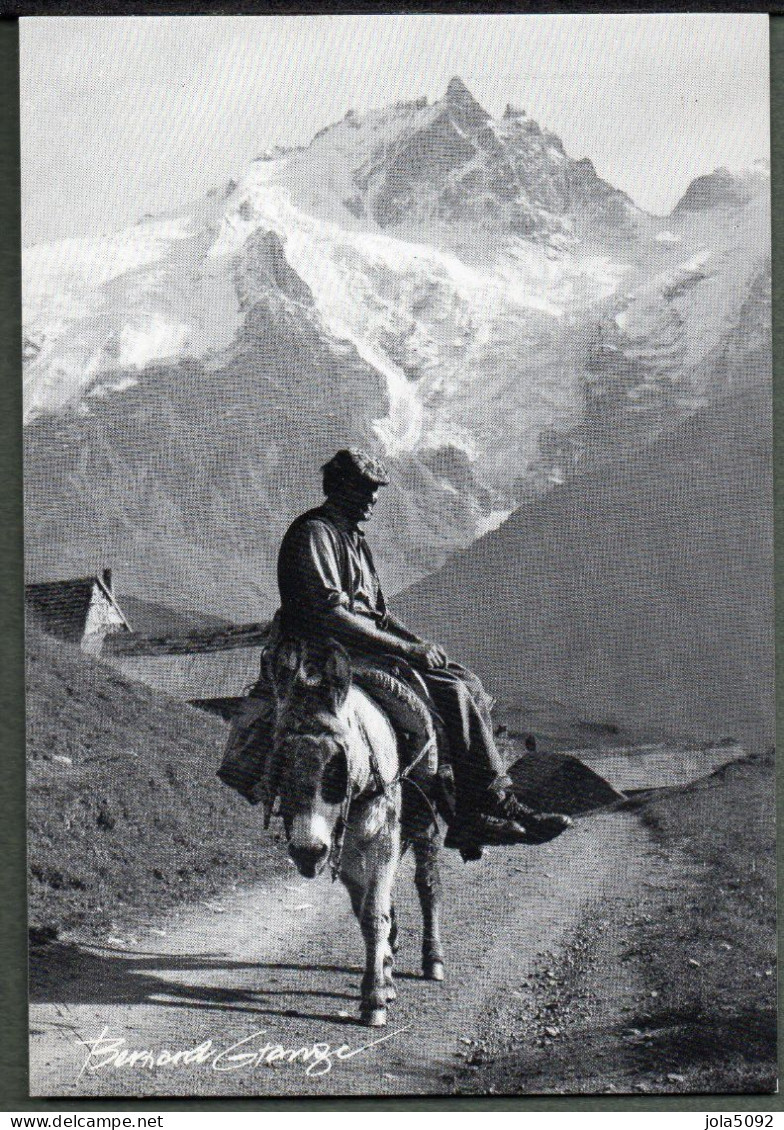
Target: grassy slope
point(135, 820)
point(669, 987)
point(715, 968)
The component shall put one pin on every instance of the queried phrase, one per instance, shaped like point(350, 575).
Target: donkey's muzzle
point(310, 859)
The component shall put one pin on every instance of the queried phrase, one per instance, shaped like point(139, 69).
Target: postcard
point(398, 551)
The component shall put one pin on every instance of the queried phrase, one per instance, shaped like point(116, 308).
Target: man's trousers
point(462, 706)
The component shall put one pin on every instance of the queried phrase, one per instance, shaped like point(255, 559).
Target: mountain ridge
point(184, 378)
point(640, 593)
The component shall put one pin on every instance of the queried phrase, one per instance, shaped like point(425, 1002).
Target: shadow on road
point(663, 1049)
point(689, 1038)
point(70, 974)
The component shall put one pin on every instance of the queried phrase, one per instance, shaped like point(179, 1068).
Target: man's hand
point(428, 655)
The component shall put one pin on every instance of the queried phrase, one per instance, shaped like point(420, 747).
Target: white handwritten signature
point(319, 1057)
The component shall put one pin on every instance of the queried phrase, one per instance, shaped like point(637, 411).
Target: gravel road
point(237, 985)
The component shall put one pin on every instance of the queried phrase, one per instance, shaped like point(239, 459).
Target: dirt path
point(280, 965)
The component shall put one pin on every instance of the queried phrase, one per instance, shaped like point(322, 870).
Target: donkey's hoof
point(390, 992)
point(373, 1017)
point(433, 970)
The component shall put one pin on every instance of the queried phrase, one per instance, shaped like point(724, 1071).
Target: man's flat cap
point(356, 464)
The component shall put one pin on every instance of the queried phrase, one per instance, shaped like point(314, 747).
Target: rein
point(339, 833)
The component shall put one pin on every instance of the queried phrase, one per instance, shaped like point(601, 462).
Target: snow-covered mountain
point(456, 292)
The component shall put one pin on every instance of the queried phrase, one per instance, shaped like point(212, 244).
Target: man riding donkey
point(329, 589)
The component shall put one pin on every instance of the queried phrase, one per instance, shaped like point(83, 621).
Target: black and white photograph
point(398, 546)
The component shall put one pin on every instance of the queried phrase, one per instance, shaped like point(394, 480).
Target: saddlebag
point(249, 742)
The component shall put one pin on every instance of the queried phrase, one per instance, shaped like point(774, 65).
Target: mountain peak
point(457, 89)
point(461, 102)
point(458, 93)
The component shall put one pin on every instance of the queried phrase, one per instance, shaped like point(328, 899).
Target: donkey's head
point(309, 770)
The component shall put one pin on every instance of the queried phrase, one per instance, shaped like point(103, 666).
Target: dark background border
point(356, 7)
point(13, 920)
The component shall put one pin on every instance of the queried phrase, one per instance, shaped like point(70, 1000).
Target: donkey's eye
point(334, 781)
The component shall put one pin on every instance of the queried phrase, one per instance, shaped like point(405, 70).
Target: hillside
point(690, 1006)
point(148, 618)
point(637, 594)
point(125, 814)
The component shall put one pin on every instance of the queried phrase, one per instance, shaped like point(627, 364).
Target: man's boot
point(539, 826)
point(503, 820)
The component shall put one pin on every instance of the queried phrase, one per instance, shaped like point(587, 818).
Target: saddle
point(403, 696)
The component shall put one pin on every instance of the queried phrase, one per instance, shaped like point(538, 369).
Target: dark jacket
point(325, 563)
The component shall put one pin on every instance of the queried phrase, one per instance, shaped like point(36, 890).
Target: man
point(329, 588)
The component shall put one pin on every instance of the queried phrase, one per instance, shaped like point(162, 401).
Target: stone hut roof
point(61, 607)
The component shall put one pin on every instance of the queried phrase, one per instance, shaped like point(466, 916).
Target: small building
point(211, 669)
point(208, 667)
point(83, 610)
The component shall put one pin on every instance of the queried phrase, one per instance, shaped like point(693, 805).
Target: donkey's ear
point(337, 674)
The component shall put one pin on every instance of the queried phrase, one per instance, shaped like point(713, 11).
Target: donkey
point(336, 771)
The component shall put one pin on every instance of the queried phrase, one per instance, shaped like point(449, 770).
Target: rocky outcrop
point(723, 189)
point(264, 267)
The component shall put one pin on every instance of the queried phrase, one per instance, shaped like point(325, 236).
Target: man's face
point(368, 502)
point(357, 500)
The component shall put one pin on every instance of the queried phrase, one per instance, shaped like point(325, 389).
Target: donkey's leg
point(389, 956)
point(428, 885)
point(376, 921)
point(369, 882)
point(394, 941)
point(357, 892)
